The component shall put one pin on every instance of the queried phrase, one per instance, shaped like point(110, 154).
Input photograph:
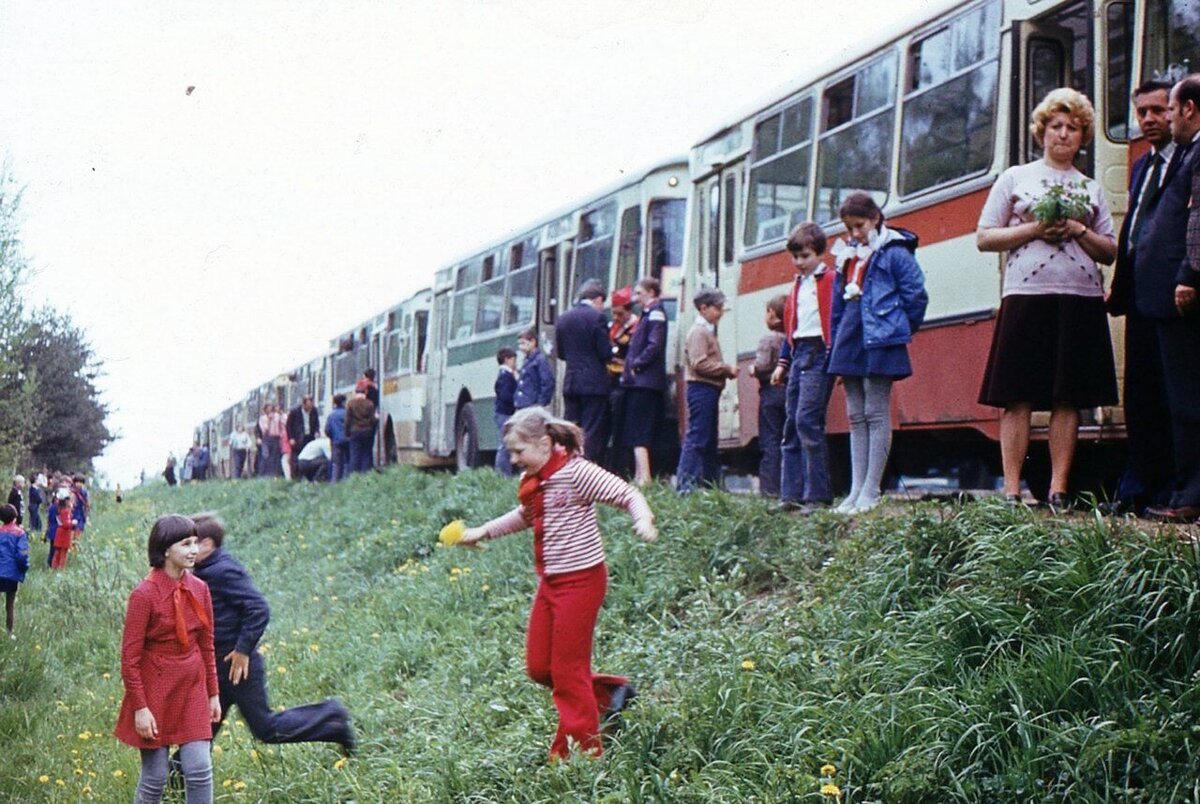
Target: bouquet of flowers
point(1063, 201)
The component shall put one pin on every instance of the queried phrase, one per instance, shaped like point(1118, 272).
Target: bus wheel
point(466, 442)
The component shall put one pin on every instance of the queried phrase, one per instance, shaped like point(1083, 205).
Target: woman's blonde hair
point(1068, 101)
point(530, 424)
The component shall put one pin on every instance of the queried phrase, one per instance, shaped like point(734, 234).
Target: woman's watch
point(1082, 231)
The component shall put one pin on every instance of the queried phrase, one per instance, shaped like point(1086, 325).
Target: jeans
point(771, 411)
point(196, 762)
point(327, 721)
point(360, 451)
point(340, 466)
point(503, 459)
point(698, 457)
point(239, 461)
point(805, 456)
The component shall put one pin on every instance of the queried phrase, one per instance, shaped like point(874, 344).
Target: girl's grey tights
point(869, 408)
point(196, 761)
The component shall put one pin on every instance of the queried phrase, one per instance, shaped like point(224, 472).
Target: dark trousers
point(805, 471)
point(1179, 345)
point(320, 722)
point(316, 470)
point(360, 451)
point(591, 414)
point(771, 399)
point(270, 455)
point(1149, 473)
point(239, 461)
point(341, 462)
point(698, 458)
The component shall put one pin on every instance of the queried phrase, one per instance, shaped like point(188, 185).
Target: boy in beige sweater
point(706, 375)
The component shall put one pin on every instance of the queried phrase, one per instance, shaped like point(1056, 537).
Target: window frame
point(753, 163)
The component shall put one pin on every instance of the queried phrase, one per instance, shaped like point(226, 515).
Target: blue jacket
point(535, 386)
point(240, 612)
point(14, 553)
point(646, 361)
point(335, 426)
point(506, 390)
point(581, 339)
point(893, 293)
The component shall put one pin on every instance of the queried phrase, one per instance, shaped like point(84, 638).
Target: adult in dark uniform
point(581, 340)
point(1164, 290)
point(644, 378)
point(1146, 480)
point(303, 426)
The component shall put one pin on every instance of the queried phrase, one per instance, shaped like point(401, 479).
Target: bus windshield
point(1172, 46)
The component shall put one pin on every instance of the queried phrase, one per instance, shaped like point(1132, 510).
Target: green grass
point(931, 653)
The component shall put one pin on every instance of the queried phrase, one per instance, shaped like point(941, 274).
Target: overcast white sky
point(333, 155)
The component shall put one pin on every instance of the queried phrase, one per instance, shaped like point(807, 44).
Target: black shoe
point(341, 722)
point(620, 699)
point(1059, 504)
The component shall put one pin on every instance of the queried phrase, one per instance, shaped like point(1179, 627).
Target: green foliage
point(18, 390)
point(931, 653)
point(1062, 202)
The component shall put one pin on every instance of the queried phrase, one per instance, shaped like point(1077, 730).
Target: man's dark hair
point(504, 354)
point(339, 400)
point(369, 374)
point(167, 530)
point(591, 289)
point(527, 335)
point(209, 525)
point(1152, 85)
point(651, 284)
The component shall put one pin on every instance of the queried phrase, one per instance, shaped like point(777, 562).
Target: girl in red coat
point(168, 667)
point(558, 493)
point(66, 530)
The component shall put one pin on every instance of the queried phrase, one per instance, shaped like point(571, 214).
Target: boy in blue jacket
point(14, 561)
point(535, 385)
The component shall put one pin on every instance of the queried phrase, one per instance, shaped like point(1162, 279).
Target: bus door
point(554, 265)
point(437, 438)
point(720, 269)
point(1053, 50)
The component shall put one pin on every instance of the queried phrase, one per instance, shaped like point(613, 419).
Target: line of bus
point(924, 119)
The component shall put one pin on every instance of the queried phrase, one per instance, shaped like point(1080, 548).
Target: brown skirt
point(1050, 350)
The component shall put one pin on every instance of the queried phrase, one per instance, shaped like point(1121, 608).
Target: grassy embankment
point(930, 653)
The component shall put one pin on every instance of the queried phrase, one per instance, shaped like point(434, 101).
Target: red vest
point(824, 280)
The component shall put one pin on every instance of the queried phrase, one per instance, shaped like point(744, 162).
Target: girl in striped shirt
point(558, 493)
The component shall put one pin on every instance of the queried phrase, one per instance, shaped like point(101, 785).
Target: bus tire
point(466, 439)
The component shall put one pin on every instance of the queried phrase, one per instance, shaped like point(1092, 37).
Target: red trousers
point(558, 655)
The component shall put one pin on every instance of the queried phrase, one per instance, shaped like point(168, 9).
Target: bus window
point(491, 298)
point(1118, 30)
point(949, 122)
point(421, 324)
point(730, 222)
point(855, 147)
point(594, 251)
point(778, 198)
point(465, 303)
point(666, 235)
point(392, 350)
point(630, 248)
point(549, 289)
point(1172, 43)
point(522, 288)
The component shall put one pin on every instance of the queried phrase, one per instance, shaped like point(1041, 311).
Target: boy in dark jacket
point(535, 385)
point(506, 390)
point(240, 616)
point(644, 379)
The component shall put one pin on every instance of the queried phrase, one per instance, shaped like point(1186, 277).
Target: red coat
point(174, 681)
point(66, 529)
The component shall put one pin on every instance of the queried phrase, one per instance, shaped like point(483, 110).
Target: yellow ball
point(452, 533)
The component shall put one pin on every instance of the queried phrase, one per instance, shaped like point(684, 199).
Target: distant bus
point(924, 120)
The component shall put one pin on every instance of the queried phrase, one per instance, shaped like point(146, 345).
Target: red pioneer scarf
point(181, 591)
point(532, 495)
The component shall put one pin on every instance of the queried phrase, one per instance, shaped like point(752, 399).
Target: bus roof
point(905, 25)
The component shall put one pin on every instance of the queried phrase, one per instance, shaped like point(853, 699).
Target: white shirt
point(314, 449)
point(239, 440)
point(808, 311)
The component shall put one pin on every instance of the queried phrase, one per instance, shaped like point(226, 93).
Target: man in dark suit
point(1164, 290)
point(1148, 474)
point(302, 427)
point(581, 339)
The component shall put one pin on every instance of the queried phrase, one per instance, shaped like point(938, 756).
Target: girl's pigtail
point(566, 434)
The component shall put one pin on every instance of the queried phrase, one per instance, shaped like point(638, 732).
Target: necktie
point(1147, 194)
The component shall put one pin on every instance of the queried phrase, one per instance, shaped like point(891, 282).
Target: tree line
point(50, 409)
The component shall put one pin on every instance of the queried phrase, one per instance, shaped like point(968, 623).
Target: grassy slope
point(971, 654)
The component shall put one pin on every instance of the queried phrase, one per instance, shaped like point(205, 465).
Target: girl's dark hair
point(209, 525)
point(166, 531)
point(530, 424)
point(8, 513)
point(860, 205)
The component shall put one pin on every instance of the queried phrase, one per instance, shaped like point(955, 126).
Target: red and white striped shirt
point(571, 538)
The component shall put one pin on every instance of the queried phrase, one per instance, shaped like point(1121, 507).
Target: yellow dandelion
point(217, 751)
point(118, 773)
point(748, 664)
point(254, 754)
point(87, 790)
point(106, 676)
point(281, 670)
point(456, 570)
point(43, 778)
point(315, 648)
point(91, 774)
point(452, 533)
point(227, 783)
point(828, 770)
point(239, 785)
point(316, 598)
point(485, 588)
point(37, 646)
point(79, 771)
point(341, 763)
point(453, 579)
point(375, 635)
point(831, 790)
point(334, 598)
point(85, 735)
point(60, 782)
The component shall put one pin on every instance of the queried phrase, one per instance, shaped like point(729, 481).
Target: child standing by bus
point(879, 301)
point(558, 494)
point(14, 561)
point(804, 482)
point(535, 383)
point(771, 400)
point(707, 373)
